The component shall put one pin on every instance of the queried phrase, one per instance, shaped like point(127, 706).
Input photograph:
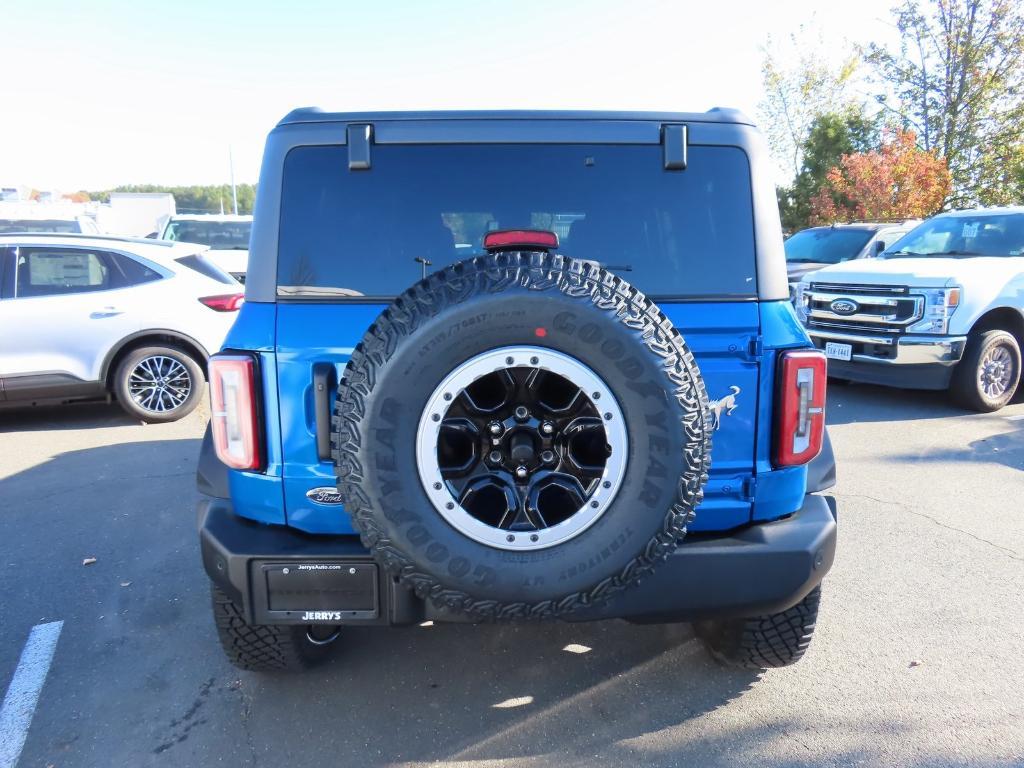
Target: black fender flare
point(821, 472)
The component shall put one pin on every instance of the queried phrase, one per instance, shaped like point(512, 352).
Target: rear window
point(366, 233)
point(219, 235)
point(206, 267)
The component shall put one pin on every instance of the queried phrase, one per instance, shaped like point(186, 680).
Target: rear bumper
point(914, 362)
point(762, 568)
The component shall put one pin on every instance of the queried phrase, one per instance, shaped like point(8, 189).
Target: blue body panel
point(735, 344)
point(777, 492)
point(309, 334)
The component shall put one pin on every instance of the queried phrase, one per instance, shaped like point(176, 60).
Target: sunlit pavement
point(916, 660)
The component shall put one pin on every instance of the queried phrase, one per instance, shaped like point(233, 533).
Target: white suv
point(87, 317)
point(227, 237)
point(942, 307)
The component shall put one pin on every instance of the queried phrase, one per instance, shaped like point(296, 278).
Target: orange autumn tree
point(897, 181)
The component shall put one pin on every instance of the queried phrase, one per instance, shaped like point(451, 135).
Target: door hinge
point(750, 488)
point(755, 348)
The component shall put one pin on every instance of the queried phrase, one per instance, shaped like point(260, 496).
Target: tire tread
point(763, 642)
point(537, 272)
point(260, 647)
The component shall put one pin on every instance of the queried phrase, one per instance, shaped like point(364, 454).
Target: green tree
point(831, 136)
point(800, 83)
point(957, 81)
point(193, 199)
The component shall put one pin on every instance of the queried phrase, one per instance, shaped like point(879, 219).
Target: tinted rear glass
point(362, 233)
point(206, 267)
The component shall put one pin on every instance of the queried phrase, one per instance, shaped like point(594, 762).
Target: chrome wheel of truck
point(988, 375)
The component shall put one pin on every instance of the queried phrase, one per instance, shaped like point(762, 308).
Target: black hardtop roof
point(715, 115)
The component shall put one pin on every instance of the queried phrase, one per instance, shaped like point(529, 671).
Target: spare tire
point(521, 435)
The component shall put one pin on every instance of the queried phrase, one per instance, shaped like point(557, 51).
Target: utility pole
point(234, 193)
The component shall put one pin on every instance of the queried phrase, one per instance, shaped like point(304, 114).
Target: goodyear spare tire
point(521, 435)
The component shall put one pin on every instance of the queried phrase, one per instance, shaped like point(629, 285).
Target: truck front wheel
point(989, 373)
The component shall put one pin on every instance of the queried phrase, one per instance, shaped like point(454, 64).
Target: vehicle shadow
point(149, 683)
point(460, 693)
point(850, 403)
point(54, 417)
point(1006, 448)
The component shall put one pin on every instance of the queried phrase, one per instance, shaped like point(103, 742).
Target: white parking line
point(23, 693)
point(1016, 417)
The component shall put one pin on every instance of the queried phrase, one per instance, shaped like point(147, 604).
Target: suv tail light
point(233, 406)
point(511, 239)
point(800, 407)
point(226, 302)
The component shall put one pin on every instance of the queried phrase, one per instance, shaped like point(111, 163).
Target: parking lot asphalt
point(918, 657)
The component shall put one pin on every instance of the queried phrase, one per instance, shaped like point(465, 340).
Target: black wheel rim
point(524, 449)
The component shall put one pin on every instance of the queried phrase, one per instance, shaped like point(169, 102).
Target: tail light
point(233, 405)
point(227, 302)
point(511, 239)
point(800, 407)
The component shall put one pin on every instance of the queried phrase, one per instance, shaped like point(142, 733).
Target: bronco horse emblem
point(724, 406)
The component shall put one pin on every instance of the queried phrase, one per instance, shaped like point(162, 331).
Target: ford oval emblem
point(844, 306)
point(326, 495)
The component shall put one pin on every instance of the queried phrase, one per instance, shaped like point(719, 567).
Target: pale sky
point(109, 92)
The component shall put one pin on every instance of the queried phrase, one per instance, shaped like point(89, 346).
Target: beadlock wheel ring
point(596, 485)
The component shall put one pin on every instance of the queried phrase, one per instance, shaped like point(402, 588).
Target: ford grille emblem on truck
point(844, 306)
point(325, 495)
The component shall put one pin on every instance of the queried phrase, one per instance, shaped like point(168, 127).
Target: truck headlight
point(800, 301)
point(939, 305)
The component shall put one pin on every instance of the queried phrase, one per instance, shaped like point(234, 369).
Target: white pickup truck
point(942, 307)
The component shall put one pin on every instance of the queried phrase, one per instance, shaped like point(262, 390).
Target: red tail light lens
point(507, 239)
point(800, 407)
point(233, 405)
point(228, 302)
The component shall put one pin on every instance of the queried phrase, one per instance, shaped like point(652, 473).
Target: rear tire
point(263, 647)
point(988, 375)
point(176, 377)
point(762, 642)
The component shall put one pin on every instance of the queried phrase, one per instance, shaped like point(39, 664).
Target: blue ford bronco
point(499, 366)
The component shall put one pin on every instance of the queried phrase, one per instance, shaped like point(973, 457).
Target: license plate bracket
point(316, 592)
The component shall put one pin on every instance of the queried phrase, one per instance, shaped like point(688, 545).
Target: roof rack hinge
point(360, 137)
point(673, 142)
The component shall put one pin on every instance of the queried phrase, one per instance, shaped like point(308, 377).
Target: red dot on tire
point(540, 332)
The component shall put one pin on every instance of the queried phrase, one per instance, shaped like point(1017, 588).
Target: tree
point(831, 136)
point(194, 199)
point(898, 181)
point(957, 81)
point(800, 85)
point(1001, 175)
